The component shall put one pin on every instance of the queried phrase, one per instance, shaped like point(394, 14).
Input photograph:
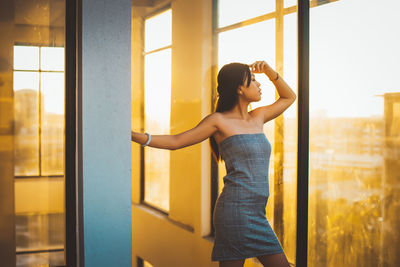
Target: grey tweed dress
point(241, 227)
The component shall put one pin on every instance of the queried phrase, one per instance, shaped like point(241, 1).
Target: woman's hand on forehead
point(259, 67)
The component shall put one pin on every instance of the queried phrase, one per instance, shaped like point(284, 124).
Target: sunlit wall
point(176, 237)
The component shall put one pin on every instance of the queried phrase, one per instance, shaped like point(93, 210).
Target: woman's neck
point(240, 109)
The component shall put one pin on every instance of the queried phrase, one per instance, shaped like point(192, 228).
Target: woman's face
point(251, 93)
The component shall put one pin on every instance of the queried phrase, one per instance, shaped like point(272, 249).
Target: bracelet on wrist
point(148, 139)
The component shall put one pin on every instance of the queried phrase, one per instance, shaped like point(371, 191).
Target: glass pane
point(52, 123)
point(246, 45)
point(289, 3)
point(40, 232)
point(26, 125)
point(354, 192)
point(26, 80)
point(52, 58)
point(26, 58)
point(39, 214)
point(234, 11)
point(37, 259)
point(289, 137)
point(32, 207)
point(157, 121)
point(158, 31)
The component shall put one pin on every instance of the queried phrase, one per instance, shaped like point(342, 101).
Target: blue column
point(106, 124)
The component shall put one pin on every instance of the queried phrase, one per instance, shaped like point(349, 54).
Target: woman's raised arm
point(203, 130)
point(286, 94)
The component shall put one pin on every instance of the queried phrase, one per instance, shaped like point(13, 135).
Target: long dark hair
point(230, 77)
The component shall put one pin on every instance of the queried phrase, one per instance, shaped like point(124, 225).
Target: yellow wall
point(181, 237)
point(39, 195)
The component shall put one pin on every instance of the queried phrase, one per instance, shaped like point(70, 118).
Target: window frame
point(39, 72)
point(278, 15)
point(142, 149)
point(303, 31)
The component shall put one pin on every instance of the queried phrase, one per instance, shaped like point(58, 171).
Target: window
point(354, 157)
point(39, 154)
point(263, 30)
point(236, 11)
point(354, 122)
point(157, 106)
point(39, 110)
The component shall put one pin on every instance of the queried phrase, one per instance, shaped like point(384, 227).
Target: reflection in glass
point(37, 232)
point(52, 58)
point(158, 31)
point(37, 259)
point(289, 3)
point(26, 80)
point(39, 151)
point(32, 133)
point(28, 85)
point(234, 11)
point(52, 87)
point(26, 127)
point(354, 160)
point(26, 57)
point(52, 123)
point(157, 120)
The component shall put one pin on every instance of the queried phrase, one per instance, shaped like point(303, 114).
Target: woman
point(236, 136)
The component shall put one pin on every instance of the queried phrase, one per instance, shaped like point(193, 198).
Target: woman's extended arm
point(286, 94)
point(203, 130)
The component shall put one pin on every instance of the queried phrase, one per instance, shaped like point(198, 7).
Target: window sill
point(163, 215)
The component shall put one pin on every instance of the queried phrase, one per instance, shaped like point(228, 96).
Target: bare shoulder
point(214, 118)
